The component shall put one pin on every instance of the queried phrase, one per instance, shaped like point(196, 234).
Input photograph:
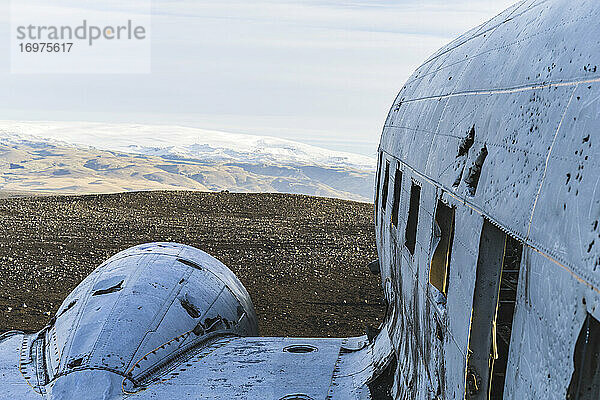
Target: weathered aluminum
point(139, 313)
point(527, 85)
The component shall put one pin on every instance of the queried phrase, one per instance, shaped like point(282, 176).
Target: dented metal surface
point(502, 125)
point(499, 128)
point(139, 313)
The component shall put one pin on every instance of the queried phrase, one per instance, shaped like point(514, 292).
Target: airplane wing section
point(269, 368)
point(227, 368)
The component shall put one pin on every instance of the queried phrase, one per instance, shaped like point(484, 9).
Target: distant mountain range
point(78, 158)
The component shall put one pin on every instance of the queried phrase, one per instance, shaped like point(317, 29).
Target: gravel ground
point(303, 259)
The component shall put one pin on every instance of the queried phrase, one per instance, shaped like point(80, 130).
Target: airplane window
point(585, 382)
point(444, 233)
point(397, 194)
point(505, 313)
point(386, 180)
point(494, 305)
point(413, 218)
point(377, 187)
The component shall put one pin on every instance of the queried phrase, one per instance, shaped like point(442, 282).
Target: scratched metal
point(528, 83)
point(253, 368)
point(13, 383)
point(138, 313)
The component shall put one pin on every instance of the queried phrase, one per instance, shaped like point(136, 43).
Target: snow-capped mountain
point(178, 142)
point(61, 157)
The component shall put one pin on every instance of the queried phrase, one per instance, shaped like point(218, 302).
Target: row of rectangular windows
point(444, 222)
point(508, 250)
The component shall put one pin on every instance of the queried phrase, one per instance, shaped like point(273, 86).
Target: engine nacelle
point(139, 314)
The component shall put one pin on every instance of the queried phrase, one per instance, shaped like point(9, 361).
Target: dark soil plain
point(303, 259)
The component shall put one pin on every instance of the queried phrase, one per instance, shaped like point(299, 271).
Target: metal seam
point(548, 161)
point(515, 89)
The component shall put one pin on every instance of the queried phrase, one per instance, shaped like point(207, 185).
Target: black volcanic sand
point(303, 259)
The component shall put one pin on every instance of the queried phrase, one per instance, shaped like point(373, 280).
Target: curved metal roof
point(143, 307)
point(506, 118)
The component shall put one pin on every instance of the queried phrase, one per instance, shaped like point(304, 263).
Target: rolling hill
point(86, 158)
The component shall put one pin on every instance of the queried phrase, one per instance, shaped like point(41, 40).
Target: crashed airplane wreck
point(487, 214)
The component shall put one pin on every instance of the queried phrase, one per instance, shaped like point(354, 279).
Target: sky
point(321, 72)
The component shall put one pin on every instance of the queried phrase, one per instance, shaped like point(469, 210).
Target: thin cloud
point(315, 71)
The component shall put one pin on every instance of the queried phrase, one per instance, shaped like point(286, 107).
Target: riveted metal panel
point(141, 311)
point(546, 326)
point(13, 382)
point(569, 192)
point(254, 368)
point(526, 86)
